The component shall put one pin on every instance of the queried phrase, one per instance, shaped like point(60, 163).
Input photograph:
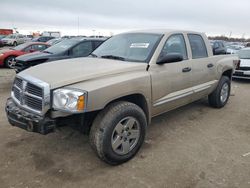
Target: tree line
point(229, 39)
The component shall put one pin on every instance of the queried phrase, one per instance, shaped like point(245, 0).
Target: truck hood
point(34, 56)
point(67, 72)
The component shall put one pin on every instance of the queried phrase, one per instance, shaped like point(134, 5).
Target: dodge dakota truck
point(113, 94)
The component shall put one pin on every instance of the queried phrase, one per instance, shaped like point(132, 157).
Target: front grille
point(16, 93)
point(244, 68)
point(34, 90)
point(18, 82)
point(241, 74)
point(33, 103)
point(29, 95)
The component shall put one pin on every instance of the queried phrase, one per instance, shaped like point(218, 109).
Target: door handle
point(210, 65)
point(187, 69)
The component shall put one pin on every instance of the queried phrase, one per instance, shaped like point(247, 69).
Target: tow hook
point(30, 127)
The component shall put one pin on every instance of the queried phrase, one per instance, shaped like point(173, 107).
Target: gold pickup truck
point(113, 94)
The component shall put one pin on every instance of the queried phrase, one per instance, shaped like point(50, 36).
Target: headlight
point(69, 100)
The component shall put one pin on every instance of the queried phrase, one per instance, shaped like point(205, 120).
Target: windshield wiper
point(47, 52)
point(93, 55)
point(113, 57)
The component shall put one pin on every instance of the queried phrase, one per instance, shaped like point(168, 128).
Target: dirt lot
point(194, 146)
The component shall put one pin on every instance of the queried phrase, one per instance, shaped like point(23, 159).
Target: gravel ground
point(194, 146)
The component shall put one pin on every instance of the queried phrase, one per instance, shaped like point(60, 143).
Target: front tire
point(9, 62)
point(118, 132)
point(220, 95)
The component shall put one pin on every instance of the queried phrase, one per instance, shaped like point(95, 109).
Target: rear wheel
point(118, 132)
point(10, 61)
point(221, 94)
point(15, 43)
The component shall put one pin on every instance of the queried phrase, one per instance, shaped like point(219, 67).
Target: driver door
point(171, 82)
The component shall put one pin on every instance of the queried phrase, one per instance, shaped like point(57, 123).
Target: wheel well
point(89, 117)
point(228, 73)
point(137, 99)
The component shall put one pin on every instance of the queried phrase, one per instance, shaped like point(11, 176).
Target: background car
point(218, 47)
point(55, 41)
point(232, 49)
point(68, 48)
point(42, 39)
point(14, 40)
point(243, 68)
point(7, 56)
point(1, 37)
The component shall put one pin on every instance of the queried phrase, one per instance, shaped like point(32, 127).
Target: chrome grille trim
point(31, 94)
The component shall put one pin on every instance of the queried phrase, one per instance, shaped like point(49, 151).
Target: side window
point(216, 45)
point(175, 44)
point(42, 39)
point(82, 49)
point(39, 47)
point(28, 49)
point(198, 46)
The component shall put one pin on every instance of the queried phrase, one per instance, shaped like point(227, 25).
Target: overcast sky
point(214, 17)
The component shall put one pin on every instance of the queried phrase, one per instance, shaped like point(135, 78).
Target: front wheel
point(9, 62)
point(220, 95)
point(118, 132)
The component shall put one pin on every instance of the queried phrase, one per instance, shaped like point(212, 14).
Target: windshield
point(21, 46)
point(129, 47)
point(61, 46)
point(244, 54)
point(11, 37)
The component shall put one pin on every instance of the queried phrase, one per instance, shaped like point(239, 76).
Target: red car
point(7, 56)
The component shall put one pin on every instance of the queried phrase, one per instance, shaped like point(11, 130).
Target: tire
point(220, 95)
point(15, 43)
point(8, 61)
point(110, 136)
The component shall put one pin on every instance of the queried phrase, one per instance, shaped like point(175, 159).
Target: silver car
point(14, 40)
point(243, 68)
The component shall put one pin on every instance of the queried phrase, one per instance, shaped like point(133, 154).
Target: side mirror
point(170, 58)
point(215, 48)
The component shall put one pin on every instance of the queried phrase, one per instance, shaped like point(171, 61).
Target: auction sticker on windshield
point(139, 45)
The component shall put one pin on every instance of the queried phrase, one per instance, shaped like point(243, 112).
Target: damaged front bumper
point(27, 120)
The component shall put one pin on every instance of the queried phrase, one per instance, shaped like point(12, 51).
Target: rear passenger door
point(203, 67)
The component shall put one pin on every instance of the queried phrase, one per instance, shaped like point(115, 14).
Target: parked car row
point(222, 47)
point(7, 56)
point(66, 49)
point(14, 39)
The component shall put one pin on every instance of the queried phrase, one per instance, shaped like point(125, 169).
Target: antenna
point(78, 25)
